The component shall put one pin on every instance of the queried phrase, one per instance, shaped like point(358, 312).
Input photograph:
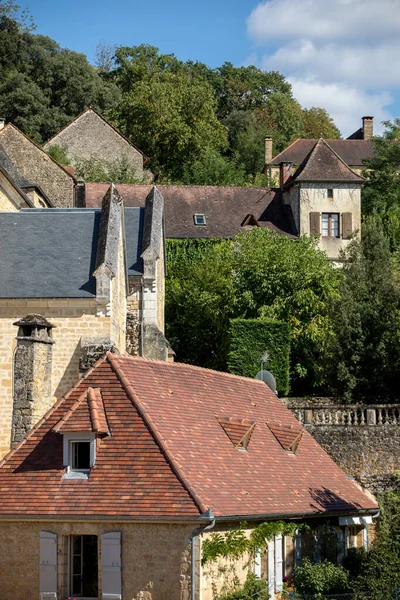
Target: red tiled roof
point(238, 431)
point(226, 209)
point(352, 152)
point(168, 455)
point(287, 435)
point(86, 415)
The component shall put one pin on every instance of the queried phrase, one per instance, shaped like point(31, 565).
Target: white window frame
point(67, 450)
point(202, 216)
point(330, 225)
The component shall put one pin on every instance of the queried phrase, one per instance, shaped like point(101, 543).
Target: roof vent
point(199, 219)
point(239, 431)
point(288, 436)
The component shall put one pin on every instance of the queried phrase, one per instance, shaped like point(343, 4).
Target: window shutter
point(297, 549)
point(340, 546)
point(278, 563)
point(48, 565)
point(257, 564)
point(315, 223)
point(347, 225)
point(271, 569)
point(111, 566)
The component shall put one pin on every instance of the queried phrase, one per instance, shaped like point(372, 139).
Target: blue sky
point(342, 55)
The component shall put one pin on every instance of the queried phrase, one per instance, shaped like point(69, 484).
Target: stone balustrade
point(356, 416)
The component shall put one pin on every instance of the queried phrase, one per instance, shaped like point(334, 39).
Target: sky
point(342, 55)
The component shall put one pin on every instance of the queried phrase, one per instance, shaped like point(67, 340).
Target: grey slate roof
point(51, 253)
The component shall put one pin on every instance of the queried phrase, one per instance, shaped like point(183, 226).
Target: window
point(200, 220)
point(79, 454)
point(84, 566)
point(330, 225)
point(330, 193)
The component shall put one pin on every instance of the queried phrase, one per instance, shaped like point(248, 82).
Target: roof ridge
point(341, 159)
point(176, 364)
point(287, 148)
point(155, 432)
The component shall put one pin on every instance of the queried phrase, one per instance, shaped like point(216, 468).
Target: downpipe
point(208, 514)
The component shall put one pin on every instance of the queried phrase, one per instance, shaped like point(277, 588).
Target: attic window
point(288, 436)
point(330, 193)
point(238, 431)
point(199, 219)
point(80, 455)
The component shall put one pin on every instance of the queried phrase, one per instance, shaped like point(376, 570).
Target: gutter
point(208, 514)
point(294, 516)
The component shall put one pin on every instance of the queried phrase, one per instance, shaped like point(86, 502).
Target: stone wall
point(363, 440)
point(37, 167)
point(155, 558)
point(73, 319)
point(91, 136)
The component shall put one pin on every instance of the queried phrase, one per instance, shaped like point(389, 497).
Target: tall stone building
point(75, 283)
point(90, 136)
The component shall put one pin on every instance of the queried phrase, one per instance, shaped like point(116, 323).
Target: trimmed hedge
point(250, 339)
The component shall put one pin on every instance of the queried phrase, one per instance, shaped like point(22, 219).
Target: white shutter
point(297, 549)
point(111, 566)
point(48, 565)
point(278, 564)
point(271, 568)
point(366, 538)
point(257, 564)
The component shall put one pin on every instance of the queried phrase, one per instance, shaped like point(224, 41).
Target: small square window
point(79, 454)
point(200, 220)
point(330, 193)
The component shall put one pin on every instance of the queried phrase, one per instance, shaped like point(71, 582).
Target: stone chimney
point(32, 374)
point(268, 150)
point(368, 128)
point(286, 169)
point(2, 123)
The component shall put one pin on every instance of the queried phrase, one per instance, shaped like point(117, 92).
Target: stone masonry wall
point(72, 320)
point(358, 438)
point(38, 168)
point(155, 558)
point(5, 203)
point(90, 136)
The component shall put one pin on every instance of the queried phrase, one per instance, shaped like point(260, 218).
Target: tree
point(364, 350)
point(317, 123)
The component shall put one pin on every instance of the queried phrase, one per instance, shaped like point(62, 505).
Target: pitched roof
point(86, 415)
point(352, 152)
point(168, 455)
point(323, 164)
point(225, 208)
point(51, 253)
point(110, 125)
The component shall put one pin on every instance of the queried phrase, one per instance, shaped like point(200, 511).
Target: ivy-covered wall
point(250, 339)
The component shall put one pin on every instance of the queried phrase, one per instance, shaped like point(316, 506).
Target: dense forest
point(198, 125)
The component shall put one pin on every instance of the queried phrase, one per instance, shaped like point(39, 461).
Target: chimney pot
point(368, 128)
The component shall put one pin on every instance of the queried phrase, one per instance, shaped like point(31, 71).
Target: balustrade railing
point(357, 416)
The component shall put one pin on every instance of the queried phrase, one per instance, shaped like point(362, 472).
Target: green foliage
point(59, 153)
point(321, 579)
point(102, 171)
point(252, 589)
point(364, 350)
point(317, 122)
point(215, 169)
point(250, 339)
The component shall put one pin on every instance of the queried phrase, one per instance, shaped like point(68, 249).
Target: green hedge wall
point(250, 339)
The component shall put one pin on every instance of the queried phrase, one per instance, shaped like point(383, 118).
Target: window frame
point(69, 439)
point(202, 216)
point(329, 192)
point(330, 228)
point(71, 565)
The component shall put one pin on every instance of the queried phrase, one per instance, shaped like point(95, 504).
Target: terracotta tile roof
point(168, 455)
point(352, 152)
point(238, 431)
point(226, 209)
point(323, 164)
point(87, 414)
point(288, 436)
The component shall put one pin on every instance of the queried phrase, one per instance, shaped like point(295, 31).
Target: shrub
point(320, 579)
point(251, 587)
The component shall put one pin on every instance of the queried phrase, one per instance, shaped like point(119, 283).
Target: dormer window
point(200, 219)
point(79, 454)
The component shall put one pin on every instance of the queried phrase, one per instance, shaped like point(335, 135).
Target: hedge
point(250, 339)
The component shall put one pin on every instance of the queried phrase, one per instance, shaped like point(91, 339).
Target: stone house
point(89, 135)
point(78, 283)
point(39, 175)
point(114, 491)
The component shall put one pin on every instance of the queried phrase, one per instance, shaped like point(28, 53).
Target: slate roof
point(323, 164)
point(225, 208)
point(51, 253)
point(352, 152)
point(168, 456)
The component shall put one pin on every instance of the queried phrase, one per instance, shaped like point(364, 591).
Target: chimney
point(268, 150)
point(368, 128)
point(2, 123)
point(285, 172)
point(32, 374)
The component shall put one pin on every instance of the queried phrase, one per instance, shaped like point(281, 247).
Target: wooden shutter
point(315, 223)
point(278, 564)
point(111, 566)
point(347, 225)
point(48, 565)
point(297, 549)
point(257, 564)
point(340, 546)
point(271, 568)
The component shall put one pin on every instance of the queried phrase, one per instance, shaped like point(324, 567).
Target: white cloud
point(338, 54)
point(325, 19)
